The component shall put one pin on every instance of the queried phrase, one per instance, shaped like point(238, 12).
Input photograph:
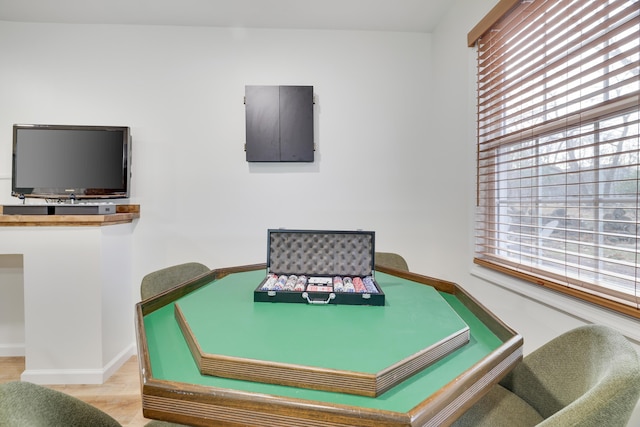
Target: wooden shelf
point(124, 214)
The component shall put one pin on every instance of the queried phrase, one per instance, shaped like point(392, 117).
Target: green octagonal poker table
point(209, 354)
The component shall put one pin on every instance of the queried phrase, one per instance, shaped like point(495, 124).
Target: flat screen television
point(71, 162)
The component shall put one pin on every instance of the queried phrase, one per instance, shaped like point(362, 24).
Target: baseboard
point(12, 350)
point(79, 376)
point(63, 376)
point(118, 361)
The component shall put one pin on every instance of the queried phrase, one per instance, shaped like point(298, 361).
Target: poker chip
point(358, 285)
point(369, 285)
point(279, 285)
point(269, 282)
point(290, 283)
point(348, 284)
point(301, 283)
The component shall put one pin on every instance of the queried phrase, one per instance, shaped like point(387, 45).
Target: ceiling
point(375, 15)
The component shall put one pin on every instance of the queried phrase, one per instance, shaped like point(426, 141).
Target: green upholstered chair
point(166, 278)
point(23, 404)
point(587, 377)
point(392, 260)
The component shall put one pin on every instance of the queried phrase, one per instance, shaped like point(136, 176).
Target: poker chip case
point(320, 267)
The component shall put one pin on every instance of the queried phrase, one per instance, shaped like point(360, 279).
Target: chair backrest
point(589, 376)
point(166, 278)
point(390, 259)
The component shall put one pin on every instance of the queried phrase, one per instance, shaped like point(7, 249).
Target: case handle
point(305, 295)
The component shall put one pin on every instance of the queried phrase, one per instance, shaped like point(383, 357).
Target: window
point(558, 196)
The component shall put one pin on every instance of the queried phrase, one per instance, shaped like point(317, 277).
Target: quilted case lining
point(321, 252)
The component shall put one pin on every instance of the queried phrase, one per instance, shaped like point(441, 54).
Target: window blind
point(558, 152)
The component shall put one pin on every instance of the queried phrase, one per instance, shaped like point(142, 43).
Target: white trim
point(62, 376)
point(12, 350)
point(119, 360)
point(79, 376)
point(585, 311)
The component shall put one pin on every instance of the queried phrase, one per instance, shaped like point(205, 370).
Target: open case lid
point(320, 252)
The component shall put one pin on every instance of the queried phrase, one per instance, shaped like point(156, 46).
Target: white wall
point(181, 92)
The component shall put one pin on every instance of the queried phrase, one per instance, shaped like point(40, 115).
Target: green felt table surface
point(171, 358)
point(367, 339)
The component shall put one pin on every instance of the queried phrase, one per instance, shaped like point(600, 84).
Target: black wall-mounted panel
point(296, 123)
point(263, 123)
point(279, 123)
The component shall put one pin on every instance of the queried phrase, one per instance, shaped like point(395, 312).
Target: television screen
point(66, 162)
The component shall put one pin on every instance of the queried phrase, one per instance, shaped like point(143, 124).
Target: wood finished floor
point(119, 396)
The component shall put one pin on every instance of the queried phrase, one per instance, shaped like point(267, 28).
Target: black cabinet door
point(279, 123)
point(296, 123)
point(263, 123)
